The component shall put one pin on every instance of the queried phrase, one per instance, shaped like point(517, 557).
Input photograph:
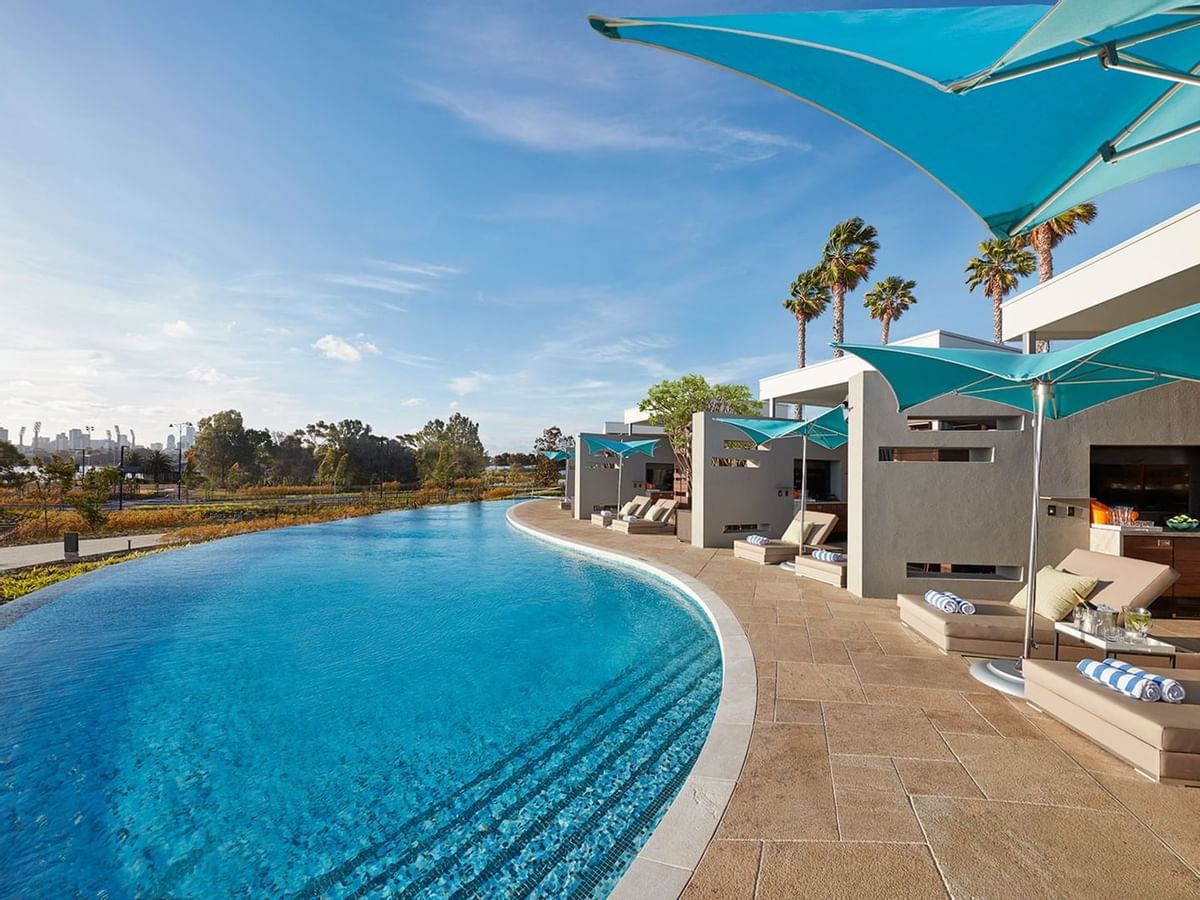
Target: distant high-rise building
point(171, 443)
point(156, 447)
point(61, 443)
point(75, 438)
point(189, 436)
point(3, 434)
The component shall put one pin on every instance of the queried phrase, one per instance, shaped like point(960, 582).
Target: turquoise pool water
point(423, 703)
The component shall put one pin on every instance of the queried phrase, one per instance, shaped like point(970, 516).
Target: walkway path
point(879, 768)
point(35, 554)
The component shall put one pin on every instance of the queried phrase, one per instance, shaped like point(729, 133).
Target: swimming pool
point(424, 703)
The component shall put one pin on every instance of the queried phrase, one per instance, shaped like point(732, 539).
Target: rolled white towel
point(1139, 687)
point(758, 539)
point(829, 556)
point(950, 603)
point(1172, 690)
point(630, 518)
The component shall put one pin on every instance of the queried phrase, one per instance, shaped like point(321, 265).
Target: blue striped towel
point(607, 513)
point(1172, 690)
point(757, 539)
point(829, 556)
point(950, 603)
point(1139, 687)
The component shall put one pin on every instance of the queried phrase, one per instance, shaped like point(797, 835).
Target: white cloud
point(429, 270)
point(207, 375)
point(454, 404)
point(542, 124)
point(412, 401)
point(368, 347)
point(177, 329)
point(469, 384)
point(378, 283)
point(333, 347)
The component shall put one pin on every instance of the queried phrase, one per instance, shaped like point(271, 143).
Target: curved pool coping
point(665, 863)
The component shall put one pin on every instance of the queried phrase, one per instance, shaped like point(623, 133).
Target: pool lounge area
point(878, 766)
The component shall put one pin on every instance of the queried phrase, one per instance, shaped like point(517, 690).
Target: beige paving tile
point(1003, 717)
point(799, 712)
point(839, 629)
point(785, 791)
point(882, 731)
point(1172, 812)
point(847, 871)
point(808, 681)
point(1027, 771)
point(988, 849)
point(944, 673)
point(866, 815)
point(924, 698)
point(874, 773)
point(765, 710)
point(728, 871)
point(747, 614)
point(829, 652)
point(860, 612)
point(936, 778)
point(950, 721)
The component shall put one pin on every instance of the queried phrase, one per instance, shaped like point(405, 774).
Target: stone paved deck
point(879, 768)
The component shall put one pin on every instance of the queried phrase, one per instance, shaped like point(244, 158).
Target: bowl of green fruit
point(1182, 523)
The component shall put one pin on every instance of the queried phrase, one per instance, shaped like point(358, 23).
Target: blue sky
point(392, 211)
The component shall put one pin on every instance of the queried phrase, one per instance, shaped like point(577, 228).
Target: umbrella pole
point(1039, 392)
point(620, 469)
point(803, 489)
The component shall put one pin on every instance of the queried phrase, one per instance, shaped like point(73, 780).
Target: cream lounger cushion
point(1057, 593)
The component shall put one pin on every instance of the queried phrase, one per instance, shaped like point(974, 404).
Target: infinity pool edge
point(665, 863)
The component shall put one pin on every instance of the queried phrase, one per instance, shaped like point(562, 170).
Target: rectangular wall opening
point(965, 423)
point(962, 571)
point(741, 445)
point(937, 454)
point(733, 462)
point(746, 527)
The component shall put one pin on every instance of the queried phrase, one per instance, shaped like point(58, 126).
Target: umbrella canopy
point(828, 429)
point(623, 449)
point(1139, 356)
point(1055, 385)
point(1094, 93)
point(558, 455)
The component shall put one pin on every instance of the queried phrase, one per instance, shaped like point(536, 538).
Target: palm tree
point(997, 268)
point(848, 258)
point(809, 299)
point(158, 466)
point(1044, 238)
point(888, 300)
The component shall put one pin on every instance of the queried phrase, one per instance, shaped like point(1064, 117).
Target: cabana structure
point(599, 477)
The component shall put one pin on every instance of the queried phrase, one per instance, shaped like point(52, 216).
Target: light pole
point(178, 426)
point(121, 483)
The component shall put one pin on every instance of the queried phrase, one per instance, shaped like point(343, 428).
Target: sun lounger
point(825, 571)
point(664, 523)
point(998, 628)
point(819, 525)
point(635, 507)
point(1160, 740)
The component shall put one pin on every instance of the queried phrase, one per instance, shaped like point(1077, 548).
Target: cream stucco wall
point(725, 495)
point(978, 512)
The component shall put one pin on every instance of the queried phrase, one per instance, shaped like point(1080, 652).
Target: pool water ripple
point(425, 703)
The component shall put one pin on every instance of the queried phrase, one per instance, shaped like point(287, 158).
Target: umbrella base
point(1002, 674)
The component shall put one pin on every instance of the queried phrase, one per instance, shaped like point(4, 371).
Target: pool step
point(490, 831)
point(414, 844)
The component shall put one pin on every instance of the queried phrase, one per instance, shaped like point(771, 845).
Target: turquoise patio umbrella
point(1019, 111)
point(622, 450)
point(561, 456)
point(827, 430)
point(1052, 385)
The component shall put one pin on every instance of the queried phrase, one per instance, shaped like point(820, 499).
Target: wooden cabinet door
point(1153, 549)
point(1187, 564)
